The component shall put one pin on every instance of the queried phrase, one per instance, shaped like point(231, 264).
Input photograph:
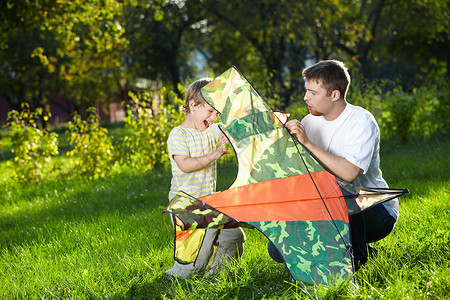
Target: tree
point(265, 42)
point(89, 50)
point(347, 30)
point(71, 47)
point(365, 33)
point(158, 48)
point(420, 37)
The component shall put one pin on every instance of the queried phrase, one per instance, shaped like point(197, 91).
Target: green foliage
point(92, 145)
point(33, 147)
point(419, 114)
point(142, 144)
point(416, 114)
point(370, 96)
point(73, 48)
point(432, 116)
point(401, 108)
point(148, 129)
point(93, 50)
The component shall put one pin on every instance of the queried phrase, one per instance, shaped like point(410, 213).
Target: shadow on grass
point(160, 287)
point(420, 160)
point(420, 166)
point(261, 281)
point(36, 209)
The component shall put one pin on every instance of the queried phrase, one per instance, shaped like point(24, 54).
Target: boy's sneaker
point(180, 271)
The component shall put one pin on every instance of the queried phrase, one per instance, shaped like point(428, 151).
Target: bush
point(416, 114)
point(432, 116)
point(32, 147)
point(144, 147)
point(401, 111)
point(421, 113)
point(92, 145)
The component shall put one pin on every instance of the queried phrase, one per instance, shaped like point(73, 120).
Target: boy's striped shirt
point(192, 142)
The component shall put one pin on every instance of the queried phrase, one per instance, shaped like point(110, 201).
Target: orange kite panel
point(296, 199)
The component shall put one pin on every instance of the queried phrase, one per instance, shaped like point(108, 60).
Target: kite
point(280, 189)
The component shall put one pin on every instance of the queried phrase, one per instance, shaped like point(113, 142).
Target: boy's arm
point(189, 164)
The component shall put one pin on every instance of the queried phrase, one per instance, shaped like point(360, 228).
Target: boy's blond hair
point(193, 93)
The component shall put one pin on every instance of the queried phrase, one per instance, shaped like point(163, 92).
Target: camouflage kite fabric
point(280, 189)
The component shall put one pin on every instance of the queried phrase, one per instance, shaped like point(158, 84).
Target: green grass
point(107, 239)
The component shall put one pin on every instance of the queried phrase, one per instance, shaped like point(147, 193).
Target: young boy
point(193, 158)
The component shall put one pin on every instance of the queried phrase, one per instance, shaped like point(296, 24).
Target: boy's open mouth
point(206, 123)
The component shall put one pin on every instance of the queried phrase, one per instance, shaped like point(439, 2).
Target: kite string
point(317, 189)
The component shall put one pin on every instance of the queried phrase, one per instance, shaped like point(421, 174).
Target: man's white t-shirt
point(355, 136)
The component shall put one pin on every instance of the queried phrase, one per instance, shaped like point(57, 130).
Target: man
point(345, 139)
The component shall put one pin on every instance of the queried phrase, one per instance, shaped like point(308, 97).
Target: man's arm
point(189, 164)
point(337, 165)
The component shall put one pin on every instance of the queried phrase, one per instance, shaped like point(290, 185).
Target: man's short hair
point(331, 73)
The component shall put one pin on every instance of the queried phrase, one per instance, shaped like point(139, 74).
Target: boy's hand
point(221, 148)
point(190, 164)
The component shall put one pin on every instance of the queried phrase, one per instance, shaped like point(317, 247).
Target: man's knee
point(379, 223)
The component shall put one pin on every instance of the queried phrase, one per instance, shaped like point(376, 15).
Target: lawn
point(107, 239)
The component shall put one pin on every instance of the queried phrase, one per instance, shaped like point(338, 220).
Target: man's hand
point(298, 130)
point(337, 165)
